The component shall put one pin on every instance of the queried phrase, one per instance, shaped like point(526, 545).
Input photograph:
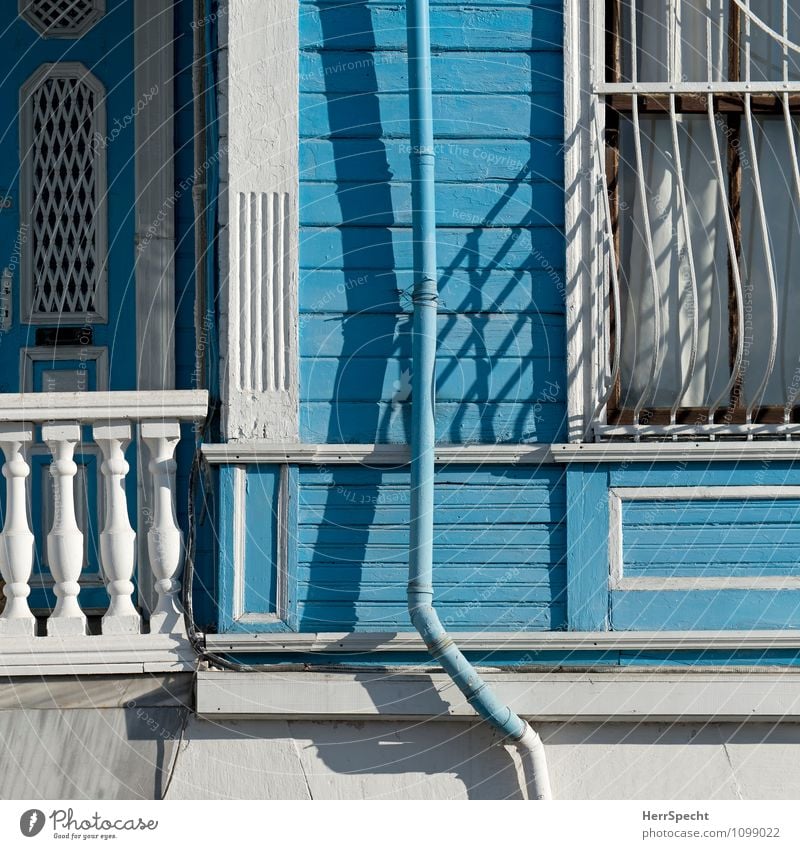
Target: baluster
point(65, 540)
point(16, 542)
point(117, 539)
point(164, 538)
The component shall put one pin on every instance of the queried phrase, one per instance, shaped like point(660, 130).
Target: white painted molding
point(644, 583)
point(186, 405)
point(586, 352)
point(83, 15)
point(409, 641)
point(81, 75)
point(155, 194)
point(259, 82)
point(378, 455)
point(258, 451)
point(696, 451)
point(91, 353)
point(95, 655)
point(626, 695)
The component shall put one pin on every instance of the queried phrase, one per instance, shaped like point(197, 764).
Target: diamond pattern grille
point(61, 17)
point(64, 198)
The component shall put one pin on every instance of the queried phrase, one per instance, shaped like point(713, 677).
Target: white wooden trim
point(94, 353)
point(626, 695)
point(377, 454)
point(690, 452)
point(580, 221)
point(28, 14)
point(155, 194)
point(70, 70)
point(239, 532)
point(95, 655)
point(259, 233)
point(703, 493)
point(184, 405)
point(409, 641)
point(617, 579)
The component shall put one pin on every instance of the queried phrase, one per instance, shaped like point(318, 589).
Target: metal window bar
point(725, 99)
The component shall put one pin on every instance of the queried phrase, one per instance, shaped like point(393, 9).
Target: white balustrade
point(16, 543)
point(164, 539)
point(65, 540)
point(117, 539)
point(113, 419)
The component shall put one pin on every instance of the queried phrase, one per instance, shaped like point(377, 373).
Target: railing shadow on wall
point(502, 399)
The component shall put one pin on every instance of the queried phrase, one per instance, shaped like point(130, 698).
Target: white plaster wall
point(145, 751)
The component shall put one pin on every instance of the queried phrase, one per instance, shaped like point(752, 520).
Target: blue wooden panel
point(480, 250)
point(457, 160)
point(498, 108)
point(330, 290)
point(368, 379)
point(454, 422)
point(587, 557)
point(261, 540)
point(358, 26)
point(464, 116)
point(225, 548)
point(333, 71)
point(705, 610)
point(705, 474)
point(498, 555)
point(457, 204)
point(521, 335)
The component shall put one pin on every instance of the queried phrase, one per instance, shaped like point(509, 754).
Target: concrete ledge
point(559, 696)
point(95, 692)
point(410, 641)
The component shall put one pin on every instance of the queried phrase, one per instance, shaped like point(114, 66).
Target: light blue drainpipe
point(425, 296)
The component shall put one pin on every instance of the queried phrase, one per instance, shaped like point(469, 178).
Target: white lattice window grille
point(62, 18)
point(692, 143)
point(63, 187)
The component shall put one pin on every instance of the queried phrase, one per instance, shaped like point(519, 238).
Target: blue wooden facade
point(520, 547)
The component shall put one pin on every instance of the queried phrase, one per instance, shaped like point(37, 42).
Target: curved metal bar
point(690, 258)
point(651, 261)
point(758, 395)
point(787, 408)
point(614, 277)
point(637, 140)
point(737, 279)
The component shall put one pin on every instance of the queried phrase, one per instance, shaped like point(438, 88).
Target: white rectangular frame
point(616, 568)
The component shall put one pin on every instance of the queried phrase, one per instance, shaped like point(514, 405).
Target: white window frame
point(79, 72)
point(588, 292)
point(98, 9)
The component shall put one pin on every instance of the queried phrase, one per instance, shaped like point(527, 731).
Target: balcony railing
point(59, 423)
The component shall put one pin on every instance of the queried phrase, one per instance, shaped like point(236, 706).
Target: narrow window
point(701, 106)
point(63, 196)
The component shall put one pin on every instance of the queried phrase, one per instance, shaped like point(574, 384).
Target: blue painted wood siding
point(498, 119)
point(499, 556)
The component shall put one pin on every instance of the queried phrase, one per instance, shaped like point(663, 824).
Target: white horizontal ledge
point(404, 641)
point(186, 405)
point(698, 88)
point(650, 452)
point(377, 455)
point(555, 696)
point(500, 455)
point(95, 655)
point(688, 583)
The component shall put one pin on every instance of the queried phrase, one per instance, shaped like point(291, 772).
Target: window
point(695, 126)
point(63, 187)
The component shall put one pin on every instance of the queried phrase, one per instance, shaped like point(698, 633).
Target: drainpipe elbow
point(534, 763)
